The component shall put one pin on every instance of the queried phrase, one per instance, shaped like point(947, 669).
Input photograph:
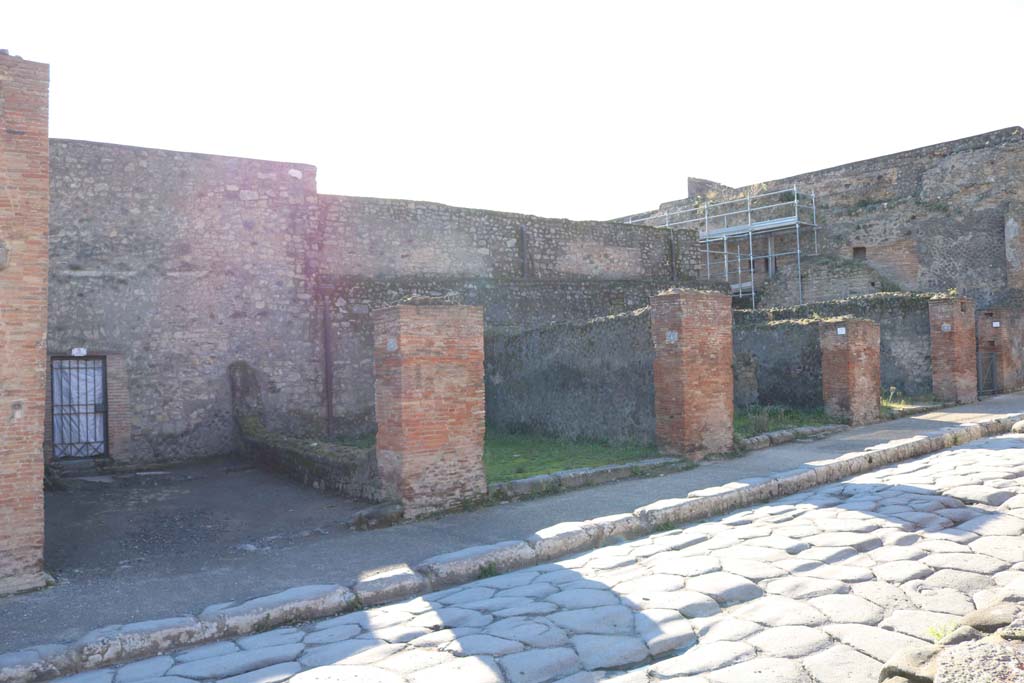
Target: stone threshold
point(120, 643)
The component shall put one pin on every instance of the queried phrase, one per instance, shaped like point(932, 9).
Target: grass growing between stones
point(760, 419)
point(515, 456)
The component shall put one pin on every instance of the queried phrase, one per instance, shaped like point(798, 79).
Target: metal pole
point(771, 255)
point(707, 253)
point(750, 246)
point(799, 271)
point(725, 256)
point(750, 219)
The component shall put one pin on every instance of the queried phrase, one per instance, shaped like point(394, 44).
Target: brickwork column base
point(954, 350)
point(693, 381)
point(851, 380)
point(429, 384)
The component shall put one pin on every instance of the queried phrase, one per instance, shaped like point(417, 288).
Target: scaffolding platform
point(739, 236)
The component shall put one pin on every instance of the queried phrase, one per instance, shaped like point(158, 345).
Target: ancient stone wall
point(390, 238)
point(24, 197)
point(930, 219)
point(588, 380)
point(182, 264)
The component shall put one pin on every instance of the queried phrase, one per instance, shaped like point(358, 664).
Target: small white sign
point(79, 351)
point(840, 330)
point(671, 336)
point(996, 323)
point(946, 327)
point(392, 344)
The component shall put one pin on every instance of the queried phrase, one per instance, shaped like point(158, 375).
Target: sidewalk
point(98, 597)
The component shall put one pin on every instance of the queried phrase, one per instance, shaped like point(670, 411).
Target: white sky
point(579, 109)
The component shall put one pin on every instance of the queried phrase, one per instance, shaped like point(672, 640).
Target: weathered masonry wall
point(172, 266)
point(930, 219)
point(593, 379)
point(588, 380)
point(388, 238)
point(182, 264)
point(24, 197)
point(777, 360)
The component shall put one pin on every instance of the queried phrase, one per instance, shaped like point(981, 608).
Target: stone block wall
point(24, 206)
point(693, 404)
point(929, 219)
point(391, 238)
point(850, 370)
point(786, 358)
point(954, 350)
point(429, 368)
point(583, 380)
point(175, 265)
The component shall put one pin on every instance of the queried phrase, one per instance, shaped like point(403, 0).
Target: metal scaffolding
point(737, 235)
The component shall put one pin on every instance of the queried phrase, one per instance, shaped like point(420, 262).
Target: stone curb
point(566, 480)
point(114, 644)
point(753, 443)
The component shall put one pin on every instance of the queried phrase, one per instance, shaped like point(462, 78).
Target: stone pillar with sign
point(693, 382)
point(24, 212)
point(954, 350)
point(429, 385)
point(1000, 354)
point(851, 382)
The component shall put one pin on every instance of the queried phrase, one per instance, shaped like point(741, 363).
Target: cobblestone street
point(821, 586)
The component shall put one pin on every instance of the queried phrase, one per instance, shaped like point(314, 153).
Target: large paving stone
point(802, 587)
point(1006, 548)
point(724, 627)
point(531, 632)
point(842, 664)
point(986, 495)
point(936, 598)
point(968, 562)
point(753, 570)
point(766, 669)
point(688, 603)
point(858, 541)
point(269, 674)
point(995, 524)
point(580, 598)
point(886, 595)
point(460, 670)
point(724, 588)
point(850, 609)
point(902, 571)
point(877, 643)
point(683, 565)
point(775, 610)
point(607, 620)
point(483, 644)
point(537, 666)
point(347, 674)
point(965, 582)
point(920, 624)
point(237, 662)
point(153, 667)
point(702, 658)
point(789, 641)
point(608, 652)
point(664, 630)
point(651, 583)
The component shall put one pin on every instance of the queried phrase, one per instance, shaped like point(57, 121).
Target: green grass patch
point(368, 441)
point(894, 402)
point(760, 419)
point(515, 456)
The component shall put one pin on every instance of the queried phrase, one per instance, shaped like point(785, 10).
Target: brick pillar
point(998, 332)
point(429, 381)
point(24, 215)
point(954, 353)
point(693, 382)
point(851, 378)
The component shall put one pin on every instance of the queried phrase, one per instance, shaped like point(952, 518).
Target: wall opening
point(79, 395)
point(860, 253)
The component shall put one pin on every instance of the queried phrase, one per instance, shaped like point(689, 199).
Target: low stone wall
point(905, 345)
point(333, 468)
point(581, 380)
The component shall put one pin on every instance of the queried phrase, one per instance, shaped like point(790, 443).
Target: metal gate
point(79, 391)
point(987, 373)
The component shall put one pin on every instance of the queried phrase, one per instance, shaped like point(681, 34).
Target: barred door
point(987, 373)
point(79, 390)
